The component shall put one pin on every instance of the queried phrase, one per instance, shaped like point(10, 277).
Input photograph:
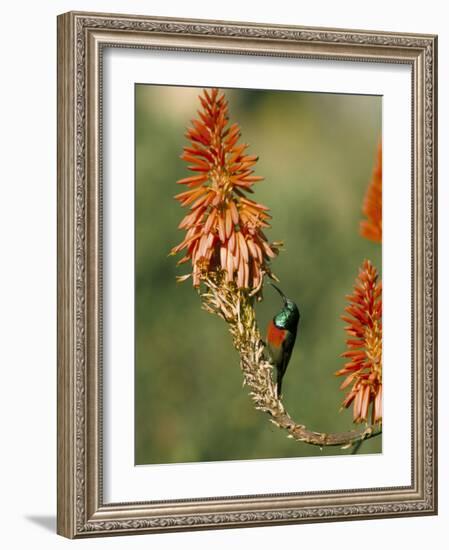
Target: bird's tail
point(279, 384)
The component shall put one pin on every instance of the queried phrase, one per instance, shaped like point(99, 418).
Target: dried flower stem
point(235, 307)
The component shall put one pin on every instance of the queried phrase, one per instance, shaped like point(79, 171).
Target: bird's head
point(289, 316)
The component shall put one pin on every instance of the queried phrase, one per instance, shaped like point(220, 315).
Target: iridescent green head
point(288, 317)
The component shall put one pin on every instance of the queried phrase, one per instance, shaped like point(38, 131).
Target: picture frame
point(82, 40)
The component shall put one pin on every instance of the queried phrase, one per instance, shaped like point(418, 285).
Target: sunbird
point(281, 337)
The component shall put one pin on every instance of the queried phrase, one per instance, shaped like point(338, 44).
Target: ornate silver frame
point(81, 38)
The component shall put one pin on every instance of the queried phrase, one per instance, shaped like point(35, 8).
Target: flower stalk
point(235, 307)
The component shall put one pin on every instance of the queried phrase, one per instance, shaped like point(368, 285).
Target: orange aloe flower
point(224, 228)
point(363, 370)
point(371, 228)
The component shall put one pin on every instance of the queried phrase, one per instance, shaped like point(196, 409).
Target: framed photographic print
point(246, 274)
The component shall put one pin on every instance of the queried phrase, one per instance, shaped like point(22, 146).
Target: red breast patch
point(275, 335)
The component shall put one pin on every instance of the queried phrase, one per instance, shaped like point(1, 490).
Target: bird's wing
point(287, 345)
point(287, 348)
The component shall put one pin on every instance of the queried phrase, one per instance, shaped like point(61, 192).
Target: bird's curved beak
point(280, 292)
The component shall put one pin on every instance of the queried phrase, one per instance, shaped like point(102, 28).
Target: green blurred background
point(317, 152)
